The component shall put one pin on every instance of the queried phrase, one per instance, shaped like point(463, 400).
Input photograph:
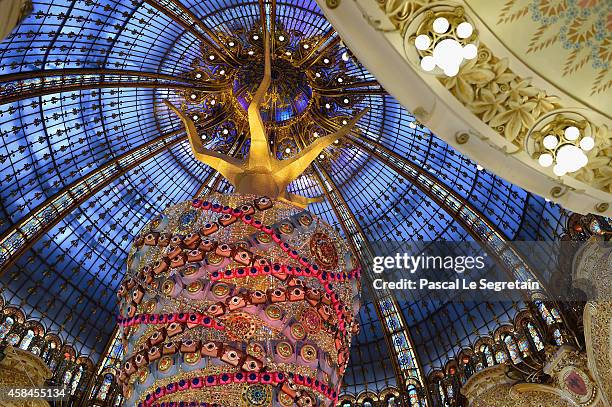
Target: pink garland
point(240, 377)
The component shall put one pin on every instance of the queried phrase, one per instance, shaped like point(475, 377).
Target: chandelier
point(562, 142)
point(444, 39)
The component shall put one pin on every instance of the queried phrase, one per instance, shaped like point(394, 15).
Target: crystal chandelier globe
point(243, 299)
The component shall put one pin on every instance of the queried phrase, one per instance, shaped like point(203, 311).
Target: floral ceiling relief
point(510, 104)
point(583, 29)
point(401, 12)
point(567, 42)
point(501, 99)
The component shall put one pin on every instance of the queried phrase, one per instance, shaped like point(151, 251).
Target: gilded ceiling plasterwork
point(20, 369)
point(508, 102)
point(566, 42)
point(571, 384)
point(591, 273)
point(598, 333)
point(511, 105)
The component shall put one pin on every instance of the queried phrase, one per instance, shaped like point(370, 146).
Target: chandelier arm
point(313, 50)
point(321, 52)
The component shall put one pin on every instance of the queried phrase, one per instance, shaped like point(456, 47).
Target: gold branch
point(292, 168)
point(259, 156)
point(299, 200)
point(229, 167)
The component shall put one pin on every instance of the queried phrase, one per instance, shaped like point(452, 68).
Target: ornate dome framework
point(89, 154)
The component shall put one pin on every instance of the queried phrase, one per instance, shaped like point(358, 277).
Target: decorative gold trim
point(332, 3)
point(602, 207)
point(462, 138)
point(558, 192)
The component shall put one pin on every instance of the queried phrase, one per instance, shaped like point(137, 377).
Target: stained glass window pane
point(6, 327)
point(500, 356)
point(27, 339)
point(486, 351)
point(551, 316)
point(76, 380)
point(103, 393)
point(524, 347)
point(442, 394)
point(13, 339)
point(558, 337)
point(512, 349)
point(67, 378)
point(114, 356)
point(535, 336)
point(413, 396)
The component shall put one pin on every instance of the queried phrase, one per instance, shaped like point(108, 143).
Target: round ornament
point(263, 238)
point(257, 395)
point(308, 353)
point(324, 250)
point(311, 320)
point(274, 312)
point(284, 349)
point(240, 326)
point(186, 220)
point(286, 228)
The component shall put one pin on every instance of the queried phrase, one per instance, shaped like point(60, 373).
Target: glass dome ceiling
point(288, 98)
point(89, 153)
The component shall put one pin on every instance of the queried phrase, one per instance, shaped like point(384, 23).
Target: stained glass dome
point(89, 154)
point(289, 95)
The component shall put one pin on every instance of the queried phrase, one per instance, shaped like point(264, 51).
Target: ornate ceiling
point(89, 153)
point(503, 99)
point(570, 38)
